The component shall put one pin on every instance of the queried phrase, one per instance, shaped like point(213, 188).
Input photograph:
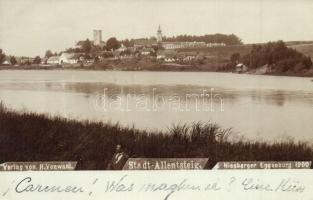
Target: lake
point(257, 107)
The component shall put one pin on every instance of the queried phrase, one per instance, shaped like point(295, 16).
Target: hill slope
point(306, 49)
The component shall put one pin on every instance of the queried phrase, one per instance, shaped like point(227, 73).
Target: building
point(147, 51)
point(182, 45)
point(6, 61)
point(159, 35)
point(97, 37)
point(240, 68)
point(67, 58)
point(215, 44)
point(187, 56)
point(167, 55)
point(53, 60)
point(71, 58)
point(140, 43)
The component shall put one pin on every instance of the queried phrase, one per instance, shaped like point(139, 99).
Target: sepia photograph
point(155, 85)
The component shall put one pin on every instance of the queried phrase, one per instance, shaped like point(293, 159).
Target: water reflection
point(273, 97)
point(262, 111)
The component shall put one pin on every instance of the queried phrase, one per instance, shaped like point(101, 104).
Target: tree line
point(87, 46)
point(275, 54)
point(3, 58)
point(13, 60)
point(213, 38)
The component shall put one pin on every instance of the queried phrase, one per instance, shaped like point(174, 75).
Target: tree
point(87, 56)
point(87, 46)
point(96, 60)
point(126, 43)
point(73, 50)
point(234, 58)
point(13, 60)
point(213, 38)
point(2, 56)
point(112, 43)
point(278, 55)
point(48, 54)
point(37, 60)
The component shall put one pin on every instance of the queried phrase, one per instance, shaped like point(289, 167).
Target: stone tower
point(97, 37)
point(159, 35)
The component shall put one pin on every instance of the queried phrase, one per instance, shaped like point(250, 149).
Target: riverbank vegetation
point(26, 136)
point(275, 58)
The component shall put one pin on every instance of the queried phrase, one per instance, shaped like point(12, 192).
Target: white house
point(170, 59)
point(187, 56)
point(68, 58)
point(6, 62)
point(53, 60)
point(240, 67)
point(147, 51)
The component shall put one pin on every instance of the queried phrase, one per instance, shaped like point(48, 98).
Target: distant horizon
point(29, 28)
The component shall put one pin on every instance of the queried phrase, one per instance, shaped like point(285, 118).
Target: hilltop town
point(216, 52)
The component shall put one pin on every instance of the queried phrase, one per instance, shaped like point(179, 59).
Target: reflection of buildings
point(270, 97)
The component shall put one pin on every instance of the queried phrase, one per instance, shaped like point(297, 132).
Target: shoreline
point(93, 68)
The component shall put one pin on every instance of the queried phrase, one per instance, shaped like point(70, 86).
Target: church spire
point(159, 34)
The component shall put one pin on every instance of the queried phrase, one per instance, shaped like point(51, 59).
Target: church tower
point(97, 37)
point(159, 35)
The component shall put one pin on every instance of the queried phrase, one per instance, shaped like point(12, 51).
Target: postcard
point(164, 99)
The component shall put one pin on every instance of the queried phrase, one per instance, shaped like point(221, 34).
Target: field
point(306, 49)
point(26, 136)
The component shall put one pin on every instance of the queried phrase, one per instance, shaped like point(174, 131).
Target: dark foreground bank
point(38, 137)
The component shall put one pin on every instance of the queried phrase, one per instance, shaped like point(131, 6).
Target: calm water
point(262, 107)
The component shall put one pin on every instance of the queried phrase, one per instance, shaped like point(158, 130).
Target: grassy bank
point(38, 137)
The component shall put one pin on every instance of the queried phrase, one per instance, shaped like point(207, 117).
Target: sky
point(30, 27)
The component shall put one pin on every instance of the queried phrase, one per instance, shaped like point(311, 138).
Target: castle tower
point(159, 34)
point(97, 37)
